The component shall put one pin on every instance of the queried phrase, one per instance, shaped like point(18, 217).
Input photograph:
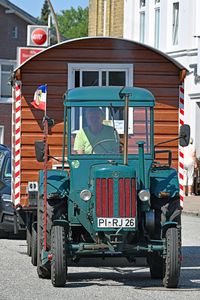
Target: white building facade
point(173, 27)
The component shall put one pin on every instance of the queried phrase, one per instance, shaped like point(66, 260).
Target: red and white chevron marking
point(181, 151)
point(17, 148)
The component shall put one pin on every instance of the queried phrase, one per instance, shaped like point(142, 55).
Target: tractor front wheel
point(173, 258)
point(59, 260)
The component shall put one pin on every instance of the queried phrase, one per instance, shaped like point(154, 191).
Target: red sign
point(39, 36)
point(25, 53)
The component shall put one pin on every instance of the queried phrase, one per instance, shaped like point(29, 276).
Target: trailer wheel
point(156, 265)
point(173, 258)
point(34, 244)
point(59, 260)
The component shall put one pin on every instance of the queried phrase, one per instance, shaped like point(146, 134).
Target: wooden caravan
point(82, 62)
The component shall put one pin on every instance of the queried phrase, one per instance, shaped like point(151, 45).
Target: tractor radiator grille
point(120, 204)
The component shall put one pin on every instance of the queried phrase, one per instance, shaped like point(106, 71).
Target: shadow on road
point(118, 271)
point(137, 276)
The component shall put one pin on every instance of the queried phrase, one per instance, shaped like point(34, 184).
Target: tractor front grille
point(115, 198)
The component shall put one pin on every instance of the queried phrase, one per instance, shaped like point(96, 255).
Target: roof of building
point(19, 12)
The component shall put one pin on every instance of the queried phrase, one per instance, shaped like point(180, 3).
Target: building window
point(5, 87)
point(14, 32)
point(100, 75)
point(142, 26)
point(157, 1)
point(157, 28)
point(80, 75)
point(175, 23)
point(142, 3)
point(1, 134)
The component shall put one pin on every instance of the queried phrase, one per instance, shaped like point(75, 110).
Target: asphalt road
point(19, 280)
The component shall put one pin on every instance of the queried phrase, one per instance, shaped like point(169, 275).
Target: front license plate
point(116, 222)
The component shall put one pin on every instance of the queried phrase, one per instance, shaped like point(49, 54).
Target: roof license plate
point(116, 222)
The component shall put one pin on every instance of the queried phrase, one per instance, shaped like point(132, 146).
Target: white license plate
point(116, 222)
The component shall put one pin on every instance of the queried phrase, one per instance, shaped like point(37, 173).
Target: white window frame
point(175, 23)
point(73, 67)
point(142, 26)
point(157, 27)
point(6, 62)
point(1, 134)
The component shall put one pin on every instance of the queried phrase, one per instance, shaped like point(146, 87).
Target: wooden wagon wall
point(151, 70)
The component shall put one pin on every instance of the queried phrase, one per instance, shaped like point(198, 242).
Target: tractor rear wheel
point(59, 260)
point(173, 258)
point(156, 265)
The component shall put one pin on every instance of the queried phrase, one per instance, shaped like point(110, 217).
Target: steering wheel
point(99, 143)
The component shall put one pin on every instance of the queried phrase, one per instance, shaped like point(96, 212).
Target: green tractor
point(111, 197)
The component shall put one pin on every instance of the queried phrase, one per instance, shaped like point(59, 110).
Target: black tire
point(28, 240)
point(44, 271)
point(34, 244)
point(156, 264)
point(59, 260)
point(173, 258)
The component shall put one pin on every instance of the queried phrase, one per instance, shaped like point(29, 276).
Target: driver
point(96, 137)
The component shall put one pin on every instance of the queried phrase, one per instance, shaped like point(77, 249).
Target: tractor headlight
point(85, 195)
point(144, 195)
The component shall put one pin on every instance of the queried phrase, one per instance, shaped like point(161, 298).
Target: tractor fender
point(168, 224)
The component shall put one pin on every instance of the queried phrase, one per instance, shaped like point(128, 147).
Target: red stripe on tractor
point(127, 197)
point(104, 197)
point(98, 197)
point(121, 198)
point(133, 198)
point(110, 198)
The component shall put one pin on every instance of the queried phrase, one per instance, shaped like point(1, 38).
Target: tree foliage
point(73, 23)
point(45, 13)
